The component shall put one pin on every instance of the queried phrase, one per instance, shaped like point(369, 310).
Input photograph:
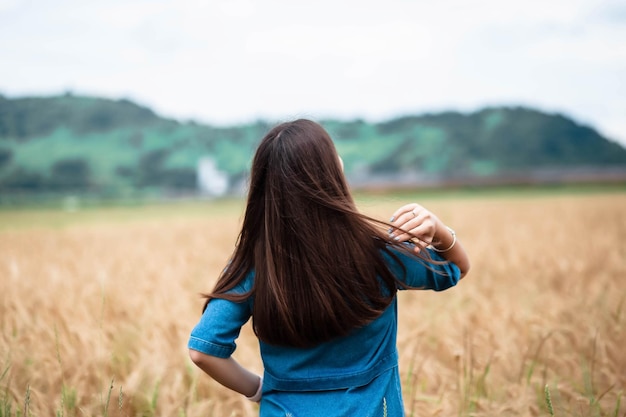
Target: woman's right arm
point(420, 223)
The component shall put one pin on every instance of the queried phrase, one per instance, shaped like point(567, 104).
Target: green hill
point(115, 147)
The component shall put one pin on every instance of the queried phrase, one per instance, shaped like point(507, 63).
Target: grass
point(97, 305)
point(549, 401)
point(59, 217)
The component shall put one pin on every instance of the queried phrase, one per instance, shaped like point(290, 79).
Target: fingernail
point(389, 231)
point(396, 238)
point(392, 219)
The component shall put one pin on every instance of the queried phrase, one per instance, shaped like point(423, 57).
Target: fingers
point(409, 215)
point(412, 221)
point(420, 232)
point(404, 210)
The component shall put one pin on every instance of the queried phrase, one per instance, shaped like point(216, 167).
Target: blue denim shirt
point(355, 375)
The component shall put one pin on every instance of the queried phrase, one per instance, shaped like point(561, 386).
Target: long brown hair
point(317, 262)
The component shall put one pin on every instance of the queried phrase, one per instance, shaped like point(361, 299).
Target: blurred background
point(140, 99)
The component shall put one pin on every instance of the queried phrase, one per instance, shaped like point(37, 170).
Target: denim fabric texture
point(356, 375)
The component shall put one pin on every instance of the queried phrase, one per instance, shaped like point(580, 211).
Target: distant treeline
point(76, 144)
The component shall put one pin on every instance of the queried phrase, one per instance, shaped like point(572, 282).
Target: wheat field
point(96, 306)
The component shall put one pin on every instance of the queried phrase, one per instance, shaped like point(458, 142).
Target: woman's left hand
point(419, 222)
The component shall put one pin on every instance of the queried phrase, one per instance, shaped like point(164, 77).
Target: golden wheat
point(96, 307)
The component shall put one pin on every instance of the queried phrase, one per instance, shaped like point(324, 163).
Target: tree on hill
point(25, 118)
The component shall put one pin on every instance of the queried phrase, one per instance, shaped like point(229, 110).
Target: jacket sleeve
point(416, 273)
point(219, 327)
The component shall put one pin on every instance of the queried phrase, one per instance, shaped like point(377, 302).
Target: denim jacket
point(355, 375)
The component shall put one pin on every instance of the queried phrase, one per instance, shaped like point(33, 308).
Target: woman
point(319, 280)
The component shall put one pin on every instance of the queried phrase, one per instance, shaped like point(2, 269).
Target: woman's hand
point(418, 222)
point(413, 221)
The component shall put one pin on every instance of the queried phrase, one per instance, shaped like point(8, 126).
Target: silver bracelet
point(453, 233)
point(259, 391)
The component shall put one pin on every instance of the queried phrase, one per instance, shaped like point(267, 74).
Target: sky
point(225, 62)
